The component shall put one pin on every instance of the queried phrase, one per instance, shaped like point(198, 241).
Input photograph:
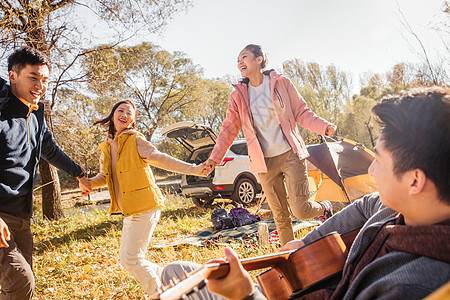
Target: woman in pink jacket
point(268, 107)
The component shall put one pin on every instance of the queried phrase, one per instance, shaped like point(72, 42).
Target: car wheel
point(200, 202)
point(244, 192)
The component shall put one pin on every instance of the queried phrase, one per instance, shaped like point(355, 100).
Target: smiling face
point(124, 117)
point(30, 83)
point(248, 64)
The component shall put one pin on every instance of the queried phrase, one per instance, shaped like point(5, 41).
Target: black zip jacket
point(24, 138)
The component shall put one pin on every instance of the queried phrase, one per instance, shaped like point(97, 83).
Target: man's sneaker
point(327, 210)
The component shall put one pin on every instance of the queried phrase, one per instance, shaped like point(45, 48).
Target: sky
point(356, 36)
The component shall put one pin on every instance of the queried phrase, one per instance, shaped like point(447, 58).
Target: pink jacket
point(290, 109)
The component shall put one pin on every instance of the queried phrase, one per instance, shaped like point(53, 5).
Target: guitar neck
point(249, 264)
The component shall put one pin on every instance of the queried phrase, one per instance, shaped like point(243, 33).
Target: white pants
point(136, 233)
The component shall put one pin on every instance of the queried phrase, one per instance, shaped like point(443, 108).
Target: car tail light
point(219, 188)
point(225, 160)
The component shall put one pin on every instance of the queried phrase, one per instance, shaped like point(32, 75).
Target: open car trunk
point(198, 139)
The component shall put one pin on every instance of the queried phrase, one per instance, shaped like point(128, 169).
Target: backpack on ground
point(242, 217)
point(221, 219)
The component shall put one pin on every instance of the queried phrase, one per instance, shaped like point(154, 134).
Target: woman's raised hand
point(331, 129)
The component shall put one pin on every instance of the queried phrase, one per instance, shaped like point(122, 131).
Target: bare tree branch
point(408, 27)
point(58, 81)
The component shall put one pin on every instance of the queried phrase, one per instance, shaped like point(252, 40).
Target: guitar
point(292, 271)
point(318, 270)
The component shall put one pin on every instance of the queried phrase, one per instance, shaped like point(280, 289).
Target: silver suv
point(231, 178)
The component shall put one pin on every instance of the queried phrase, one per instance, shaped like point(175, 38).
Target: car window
point(195, 134)
point(240, 149)
point(200, 155)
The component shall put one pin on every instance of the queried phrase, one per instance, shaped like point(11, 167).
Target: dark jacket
point(412, 262)
point(409, 262)
point(24, 138)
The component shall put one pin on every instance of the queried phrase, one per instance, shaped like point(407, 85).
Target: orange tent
point(338, 171)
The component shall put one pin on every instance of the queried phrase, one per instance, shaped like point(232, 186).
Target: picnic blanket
point(209, 236)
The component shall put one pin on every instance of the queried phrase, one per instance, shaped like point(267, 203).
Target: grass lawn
point(78, 257)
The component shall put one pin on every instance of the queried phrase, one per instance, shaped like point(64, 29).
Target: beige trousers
point(288, 171)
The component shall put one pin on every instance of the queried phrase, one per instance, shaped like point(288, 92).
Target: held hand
point(205, 170)
point(85, 186)
point(330, 130)
point(237, 284)
point(210, 164)
point(4, 234)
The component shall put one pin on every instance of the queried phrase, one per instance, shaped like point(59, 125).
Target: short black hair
point(26, 56)
point(416, 131)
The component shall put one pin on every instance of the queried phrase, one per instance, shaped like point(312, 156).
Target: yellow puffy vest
point(139, 192)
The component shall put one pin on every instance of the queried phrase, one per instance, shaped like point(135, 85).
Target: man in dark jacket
point(24, 138)
point(402, 250)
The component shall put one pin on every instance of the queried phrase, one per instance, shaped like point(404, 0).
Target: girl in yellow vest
point(124, 168)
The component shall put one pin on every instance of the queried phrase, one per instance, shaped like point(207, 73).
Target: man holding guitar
point(402, 250)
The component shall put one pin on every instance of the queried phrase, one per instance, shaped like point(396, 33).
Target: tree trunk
point(369, 129)
point(51, 193)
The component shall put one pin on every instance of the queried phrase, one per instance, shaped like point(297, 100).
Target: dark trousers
point(16, 266)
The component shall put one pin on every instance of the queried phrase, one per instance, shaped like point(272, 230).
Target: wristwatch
point(81, 175)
